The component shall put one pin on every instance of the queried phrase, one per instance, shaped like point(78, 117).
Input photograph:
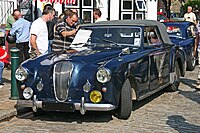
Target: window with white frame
point(127, 7)
point(127, 15)
point(87, 15)
point(141, 5)
point(87, 3)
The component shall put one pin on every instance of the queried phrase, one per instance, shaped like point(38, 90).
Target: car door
point(159, 55)
point(159, 67)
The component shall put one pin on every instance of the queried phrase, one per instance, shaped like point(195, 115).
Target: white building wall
point(152, 9)
point(103, 6)
point(114, 9)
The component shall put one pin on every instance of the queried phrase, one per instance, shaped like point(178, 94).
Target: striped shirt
point(59, 42)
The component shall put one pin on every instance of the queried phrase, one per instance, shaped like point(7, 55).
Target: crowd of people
point(46, 34)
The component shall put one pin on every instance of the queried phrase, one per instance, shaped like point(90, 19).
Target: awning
point(73, 2)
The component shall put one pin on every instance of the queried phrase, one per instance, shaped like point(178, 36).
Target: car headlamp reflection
point(21, 74)
point(103, 75)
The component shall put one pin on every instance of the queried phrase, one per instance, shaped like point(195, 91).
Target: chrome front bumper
point(83, 107)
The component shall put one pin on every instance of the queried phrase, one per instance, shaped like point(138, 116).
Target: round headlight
point(95, 96)
point(21, 74)
point(28, 93)
point(103, 75)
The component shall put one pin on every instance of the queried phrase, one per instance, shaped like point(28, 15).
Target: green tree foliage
point(194, 3)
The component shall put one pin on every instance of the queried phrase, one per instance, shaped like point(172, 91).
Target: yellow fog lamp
point(95, 96)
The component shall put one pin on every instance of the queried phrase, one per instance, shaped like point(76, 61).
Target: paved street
point(177, 112)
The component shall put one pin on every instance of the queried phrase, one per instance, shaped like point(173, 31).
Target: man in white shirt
point(39, 33)
point(97, 16)
point(190, 16)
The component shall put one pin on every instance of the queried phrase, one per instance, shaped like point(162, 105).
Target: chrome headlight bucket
point(103, 75)
point(27, 93)
point(21, 74)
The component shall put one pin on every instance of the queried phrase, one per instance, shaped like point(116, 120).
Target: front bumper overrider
point(64, 106)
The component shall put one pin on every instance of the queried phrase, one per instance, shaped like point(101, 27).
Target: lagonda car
point(109, 65)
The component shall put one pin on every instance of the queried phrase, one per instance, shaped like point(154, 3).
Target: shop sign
point(68, 2)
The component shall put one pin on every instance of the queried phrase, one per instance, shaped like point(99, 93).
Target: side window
point(152, 37)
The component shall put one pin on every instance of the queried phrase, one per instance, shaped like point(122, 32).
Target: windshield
point(116, 35)
point(174, 31)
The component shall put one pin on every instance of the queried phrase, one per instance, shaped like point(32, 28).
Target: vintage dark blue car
point(183, 33)
point(117, 64)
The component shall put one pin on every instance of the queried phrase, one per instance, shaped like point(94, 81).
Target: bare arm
point(33, 43)
point(68, 33)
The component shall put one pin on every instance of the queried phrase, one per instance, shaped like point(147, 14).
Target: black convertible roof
point(160, 26)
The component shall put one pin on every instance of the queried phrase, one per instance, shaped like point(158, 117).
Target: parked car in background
point(176, 17)
point(111, 64)
point(183, 34)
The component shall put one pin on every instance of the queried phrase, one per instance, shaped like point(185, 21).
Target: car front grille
point(61, 79)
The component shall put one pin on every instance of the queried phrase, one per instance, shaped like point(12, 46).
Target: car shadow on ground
point(180, 124)
point(191, 94)
point(70, 117)
point(189, 82)
point(139, 104)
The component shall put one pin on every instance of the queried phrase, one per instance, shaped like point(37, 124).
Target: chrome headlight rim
point(103, 75)
point(27, 93)
point(21, 74)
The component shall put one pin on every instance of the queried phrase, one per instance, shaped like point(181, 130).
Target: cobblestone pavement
point(176, 112)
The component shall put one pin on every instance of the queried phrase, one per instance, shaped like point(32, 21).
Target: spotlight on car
point(21, 74)
point(87, 86)
point(95, 96)
point(28, 93)
point(103, 75)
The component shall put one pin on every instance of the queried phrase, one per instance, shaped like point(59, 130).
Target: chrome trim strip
point(152, 92)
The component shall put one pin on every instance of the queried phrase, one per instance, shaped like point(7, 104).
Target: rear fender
point(178, 54)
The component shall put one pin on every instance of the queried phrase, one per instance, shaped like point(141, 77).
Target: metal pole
point(14, 65)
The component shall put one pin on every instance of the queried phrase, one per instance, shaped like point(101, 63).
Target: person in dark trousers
point(21, 28)
point(1, 73)
point(50, 27)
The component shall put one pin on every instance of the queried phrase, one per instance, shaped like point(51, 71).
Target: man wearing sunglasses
point(65, 31)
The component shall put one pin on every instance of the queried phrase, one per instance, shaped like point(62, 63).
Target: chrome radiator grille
point(61, 79)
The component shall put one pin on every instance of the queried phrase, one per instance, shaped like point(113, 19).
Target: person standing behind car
point(21, 28)
point(190, 16)
point(10, 20)
point(65, 31)
point(97, 16)
point(1, 73)
point(39, 33)
point(50, 26)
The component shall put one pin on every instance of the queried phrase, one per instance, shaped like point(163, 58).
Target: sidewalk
point(7, 106)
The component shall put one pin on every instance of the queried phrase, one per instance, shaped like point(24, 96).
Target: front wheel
point(174, 86)
point(125, 104)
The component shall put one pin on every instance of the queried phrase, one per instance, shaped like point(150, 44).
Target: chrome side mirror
point(126, 51)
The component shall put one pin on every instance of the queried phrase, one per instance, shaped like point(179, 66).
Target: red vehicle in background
point(161, 17)
point(4, 57)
